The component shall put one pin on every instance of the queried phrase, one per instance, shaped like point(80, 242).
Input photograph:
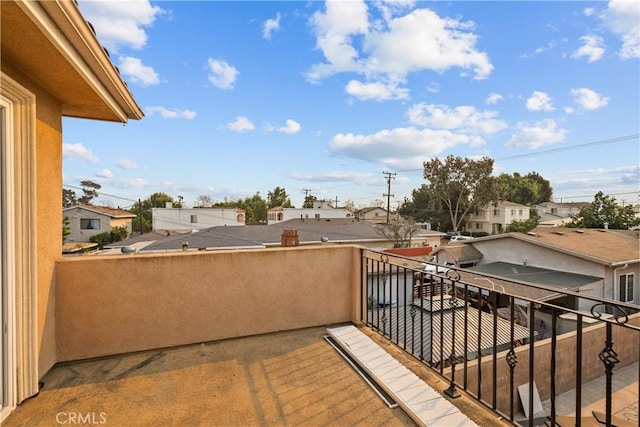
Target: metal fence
point(489, 337)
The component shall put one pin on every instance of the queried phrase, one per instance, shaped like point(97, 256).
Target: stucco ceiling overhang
point(51, 44)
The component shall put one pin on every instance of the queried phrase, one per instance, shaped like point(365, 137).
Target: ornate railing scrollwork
point(621, 319)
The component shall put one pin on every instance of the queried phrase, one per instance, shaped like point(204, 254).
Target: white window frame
point(19, 242)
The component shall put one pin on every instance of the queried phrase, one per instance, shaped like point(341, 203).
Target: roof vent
point(531, 233)
point(579, 231)
point(559, 233)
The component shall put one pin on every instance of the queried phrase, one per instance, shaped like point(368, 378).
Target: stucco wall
point(120, 304)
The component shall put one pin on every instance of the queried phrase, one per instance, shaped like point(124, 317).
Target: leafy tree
point(424, 207)
point(461, 184)
point(66, 229)
point(203, 201)
point(398, 230)
point(278, 197)
point(69, 198)
point(308, 201)
point(531, 189)
point(255, 209)
point(523, 226)
point(143, 220)
point(604, 212)
point(90, 190)
point(226, 203)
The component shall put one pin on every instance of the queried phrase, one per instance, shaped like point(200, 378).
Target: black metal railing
point(477, 332)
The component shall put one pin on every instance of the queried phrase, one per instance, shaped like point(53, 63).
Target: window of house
point(194, 219)
point(317, 216)
point(554, 210)
point(477, 212)
point(89, 224)
point(520, 212)
point(513, 212)
point(626, 287)
point(496, 212)
point(478, 225)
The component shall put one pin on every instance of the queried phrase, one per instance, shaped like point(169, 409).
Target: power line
point(101, 193)
point(571, 147)
point(389, 177)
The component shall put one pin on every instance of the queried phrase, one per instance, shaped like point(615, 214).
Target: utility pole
point(389, 177)
point(306, 194)
point(336, 205)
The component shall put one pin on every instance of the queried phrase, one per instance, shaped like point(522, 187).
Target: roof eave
point(65, 27)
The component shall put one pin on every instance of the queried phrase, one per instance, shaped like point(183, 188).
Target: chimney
point(289, 238)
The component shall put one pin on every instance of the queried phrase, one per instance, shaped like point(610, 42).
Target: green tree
point(66, 229)
point(255, 208)
point(523, 226)
point(116, 234)
point(308, 201)
point(604, 212)
point(461, 184)
point(90, 190)
point(530, 189)
point(278, 197)
point(424, 207)
point(143, 210)
point(69, 198)
point(398, 230)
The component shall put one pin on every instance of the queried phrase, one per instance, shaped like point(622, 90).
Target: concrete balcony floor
point(288, 378)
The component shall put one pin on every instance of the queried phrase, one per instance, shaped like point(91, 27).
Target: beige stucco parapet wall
point(121, 304)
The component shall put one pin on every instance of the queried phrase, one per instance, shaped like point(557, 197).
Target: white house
point(195, 218)
point(493, 219)
point(86, 221)
point(320, 210)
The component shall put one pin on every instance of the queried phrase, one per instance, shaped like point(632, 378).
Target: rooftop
point(286, 378)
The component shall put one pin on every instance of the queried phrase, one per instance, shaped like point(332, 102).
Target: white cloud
point(588, 11)
point(494, 98)
point(78, 151)
point(120, 23)
point(540, 134)
point(539, 50)
point(240, 124)
point(137, 72)
point(592, 48)
point(402, 148)
point(128, 164)
point(540, 101)
point(221, 74)
point(587, 99)
point(104, 173)
point(378, 91)
point(171, 114)
point(269, 26)
point(622, 18)
point(291, 127)
point(419, 40)
point(464, 118)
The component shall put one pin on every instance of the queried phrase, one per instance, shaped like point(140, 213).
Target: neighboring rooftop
point(111, 212)
point(598, 245)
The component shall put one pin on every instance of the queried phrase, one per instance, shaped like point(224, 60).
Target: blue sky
point(241, 97)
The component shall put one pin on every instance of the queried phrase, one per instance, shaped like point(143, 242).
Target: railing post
point(451, 391)
point(609, 358)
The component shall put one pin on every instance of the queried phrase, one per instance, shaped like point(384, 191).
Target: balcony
point(236, 338)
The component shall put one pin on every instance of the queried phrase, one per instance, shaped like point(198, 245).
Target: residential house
point(603, 263)
point(195, 218)
point(52, 65)
point(320, 210)
point(555, 214)
point(494, 219)
point(372, 214)
point(86, 221)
